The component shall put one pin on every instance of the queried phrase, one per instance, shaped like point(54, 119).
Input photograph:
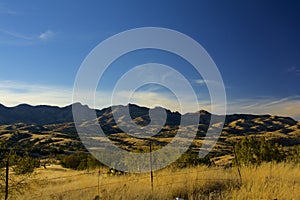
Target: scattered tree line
point(252, 150)
point(80, 161)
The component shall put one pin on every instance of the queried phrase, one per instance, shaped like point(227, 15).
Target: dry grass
point(268, 181)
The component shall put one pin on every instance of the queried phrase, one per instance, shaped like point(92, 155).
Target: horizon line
point(150, 107)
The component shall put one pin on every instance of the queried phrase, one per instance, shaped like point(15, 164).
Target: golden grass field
point(269, 181)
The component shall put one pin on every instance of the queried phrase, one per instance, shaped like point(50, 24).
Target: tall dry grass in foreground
point(268, 181)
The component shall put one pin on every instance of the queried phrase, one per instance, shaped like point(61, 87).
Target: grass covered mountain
point(50, 129)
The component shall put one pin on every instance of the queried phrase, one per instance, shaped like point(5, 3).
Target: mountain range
point(44, 114)
point(51, 127)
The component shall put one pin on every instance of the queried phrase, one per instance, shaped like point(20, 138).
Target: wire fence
point(105, 181)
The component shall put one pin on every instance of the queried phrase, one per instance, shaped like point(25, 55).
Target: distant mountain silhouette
point(35, 114)
point(43, 114)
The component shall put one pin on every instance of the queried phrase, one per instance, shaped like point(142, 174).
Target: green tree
point(293, 155)
point(254, 151)
point(21, 164)
point(79, 161)
point(191, 159)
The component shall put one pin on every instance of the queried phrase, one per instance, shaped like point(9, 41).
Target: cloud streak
point(204, 82)
point(13, 93)
point(267, 105)
point(16, 38)
point(16, 35)
point(46, 35)
point(7, 11)
point(294, 70)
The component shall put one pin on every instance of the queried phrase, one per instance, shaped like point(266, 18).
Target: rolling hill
point(50, 129)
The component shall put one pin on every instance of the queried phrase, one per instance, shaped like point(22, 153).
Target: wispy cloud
point(6, 11)
point(17, 38)
point(47, 35)
point(267, 105)
point(294, 70)
point(16, 35)
point(202, 81)
point(13, 93)
point(162, 99)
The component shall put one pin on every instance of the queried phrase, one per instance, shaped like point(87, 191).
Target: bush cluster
point(255, 150)
point(79, 161)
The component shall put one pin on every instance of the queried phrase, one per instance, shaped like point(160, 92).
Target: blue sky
point(255, 45)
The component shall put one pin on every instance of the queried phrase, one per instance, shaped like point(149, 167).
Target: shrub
point(79, 161)
point(191, 159)
point(254, 151)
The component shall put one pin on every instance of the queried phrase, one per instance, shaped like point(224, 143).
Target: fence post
point(99, 182)
point(238, 164)
point(6, 178)
point(151, 172)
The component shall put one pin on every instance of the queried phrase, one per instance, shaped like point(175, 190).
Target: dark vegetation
point(80, 161)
